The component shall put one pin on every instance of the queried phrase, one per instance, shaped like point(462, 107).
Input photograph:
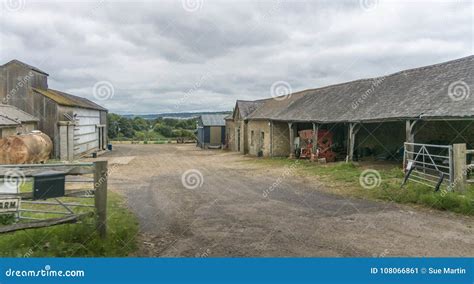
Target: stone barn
point(237, 125)
point(364, 119)
point(76, 125)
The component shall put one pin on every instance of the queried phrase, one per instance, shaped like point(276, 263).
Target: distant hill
point(176, 115)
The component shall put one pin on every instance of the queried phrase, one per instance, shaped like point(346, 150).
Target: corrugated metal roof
point(428, 92)
point(10, 115)
point(66, 99)
point(213, 119)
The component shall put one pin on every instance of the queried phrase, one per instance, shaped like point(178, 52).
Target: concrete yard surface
point(193, 202)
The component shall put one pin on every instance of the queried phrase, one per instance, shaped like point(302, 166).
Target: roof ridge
point(389, 75)
point(25, 65)
point(69, 99)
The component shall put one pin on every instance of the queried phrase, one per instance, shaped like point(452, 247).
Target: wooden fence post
point(460, 167)
point(292, 140)
point(100, 200)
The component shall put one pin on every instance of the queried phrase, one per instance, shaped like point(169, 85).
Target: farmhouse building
point(368, 118)
point(14, 121)
point(77, 126)
point(211, 130)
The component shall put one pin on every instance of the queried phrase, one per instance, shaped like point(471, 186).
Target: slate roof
point(213, 119)
point(27, 66)
point(10, 115)
point(68, 99)
point(247, 107)
point(426, 92)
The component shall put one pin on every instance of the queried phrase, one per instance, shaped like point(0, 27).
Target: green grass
point(343, 179)
point(80, 239)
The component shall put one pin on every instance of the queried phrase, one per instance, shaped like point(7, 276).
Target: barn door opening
point(238, 140)
point(101, 136)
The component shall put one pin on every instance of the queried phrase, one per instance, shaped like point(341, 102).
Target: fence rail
point(429, 164)
point(470, 167)
point(81, 180)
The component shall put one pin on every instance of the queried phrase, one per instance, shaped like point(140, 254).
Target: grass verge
point(344, 179)
point(77, 240)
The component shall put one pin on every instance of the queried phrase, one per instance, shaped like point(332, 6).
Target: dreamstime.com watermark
point(205, 77)
point(14, 178)
point(22, 81)
point(44, 272)
point(14, 5)
point(103, 90)
point(368, 5)
point(459, 91)
point(103, 178)
point(368, 93)
point(457, 181)
point(280, 90)
point(192, 5)
point(289, 171)
point(192, 179)
point(370, 179)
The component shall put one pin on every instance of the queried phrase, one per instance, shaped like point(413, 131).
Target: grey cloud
point(156, 53)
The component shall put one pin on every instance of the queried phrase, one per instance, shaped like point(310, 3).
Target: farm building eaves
point(10, 115)
point(27, 66)
point(66, 99)
point(431, 92)
point(213, 119)
point(247, 107)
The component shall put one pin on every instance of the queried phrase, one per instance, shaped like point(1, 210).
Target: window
point(251, 138)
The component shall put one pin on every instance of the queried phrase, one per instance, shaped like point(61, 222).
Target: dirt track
point(229, 214)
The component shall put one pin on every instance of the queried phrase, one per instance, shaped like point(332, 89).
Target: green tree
point(139, 124)
point(113, 125)
point(126, 127)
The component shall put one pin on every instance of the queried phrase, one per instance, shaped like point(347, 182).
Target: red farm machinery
point(323, 149)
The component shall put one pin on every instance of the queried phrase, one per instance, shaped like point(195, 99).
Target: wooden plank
point(100, 186)
point(68, 193)
point(459, 162)
point(42, 224)
point(28, 171)
point(292, 140)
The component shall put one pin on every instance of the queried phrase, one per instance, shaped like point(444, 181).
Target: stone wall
point(281, 139)
point(230, 135)
point(258, 134)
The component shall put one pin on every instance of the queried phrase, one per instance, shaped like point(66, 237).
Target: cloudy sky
point(197, 55)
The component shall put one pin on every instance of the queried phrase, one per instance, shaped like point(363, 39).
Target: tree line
point(138, 128)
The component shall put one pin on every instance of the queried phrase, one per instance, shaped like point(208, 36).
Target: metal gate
point(430, 165)
point(43, 195)
point(470, 166)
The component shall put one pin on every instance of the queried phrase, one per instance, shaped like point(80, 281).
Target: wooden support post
point(460, 166)
point(315, 141)
point(100, 187)
point(292, 140)
point(271, 138)
point(410, 137)
point(353, 129)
